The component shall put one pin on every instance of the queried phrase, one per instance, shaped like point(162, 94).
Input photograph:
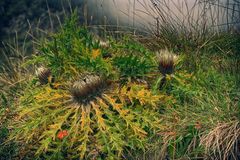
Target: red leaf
point(62, 134)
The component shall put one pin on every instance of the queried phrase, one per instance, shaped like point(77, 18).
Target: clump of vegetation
point(76, 107)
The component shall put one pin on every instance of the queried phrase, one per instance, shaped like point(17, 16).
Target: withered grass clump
point(223, 141)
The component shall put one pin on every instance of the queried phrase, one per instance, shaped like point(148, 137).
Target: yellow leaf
point(103, 104)
point(137, 130)
point(99, 114)
point(110, 99)
point(141, 93)
point(56, 85)
point(95, 53)
point(50, 79)
point(73, 69)
point(83, 118)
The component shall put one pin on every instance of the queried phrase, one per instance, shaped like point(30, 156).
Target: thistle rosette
point(90, 118)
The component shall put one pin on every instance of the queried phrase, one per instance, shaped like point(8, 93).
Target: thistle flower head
point(104, 44)
point(44, 75)
point(166, 61)
point(86, 87)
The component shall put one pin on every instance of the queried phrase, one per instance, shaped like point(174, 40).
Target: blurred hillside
point(19, 16)
point(21, 21)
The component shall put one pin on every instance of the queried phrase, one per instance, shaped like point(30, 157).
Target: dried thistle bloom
point(104, 44)
point(85, 88)
point(44, 75)
point(166, 61)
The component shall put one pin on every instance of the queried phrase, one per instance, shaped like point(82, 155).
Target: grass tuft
point(222, 142)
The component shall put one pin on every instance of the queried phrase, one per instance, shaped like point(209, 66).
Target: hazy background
point(20, 16)
point(141, 13)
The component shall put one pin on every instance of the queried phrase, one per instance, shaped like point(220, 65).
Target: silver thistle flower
point(86, 87)
point(44, 75)
point(166, 61)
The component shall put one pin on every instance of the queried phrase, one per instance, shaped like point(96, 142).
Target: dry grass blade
point(223, 141)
